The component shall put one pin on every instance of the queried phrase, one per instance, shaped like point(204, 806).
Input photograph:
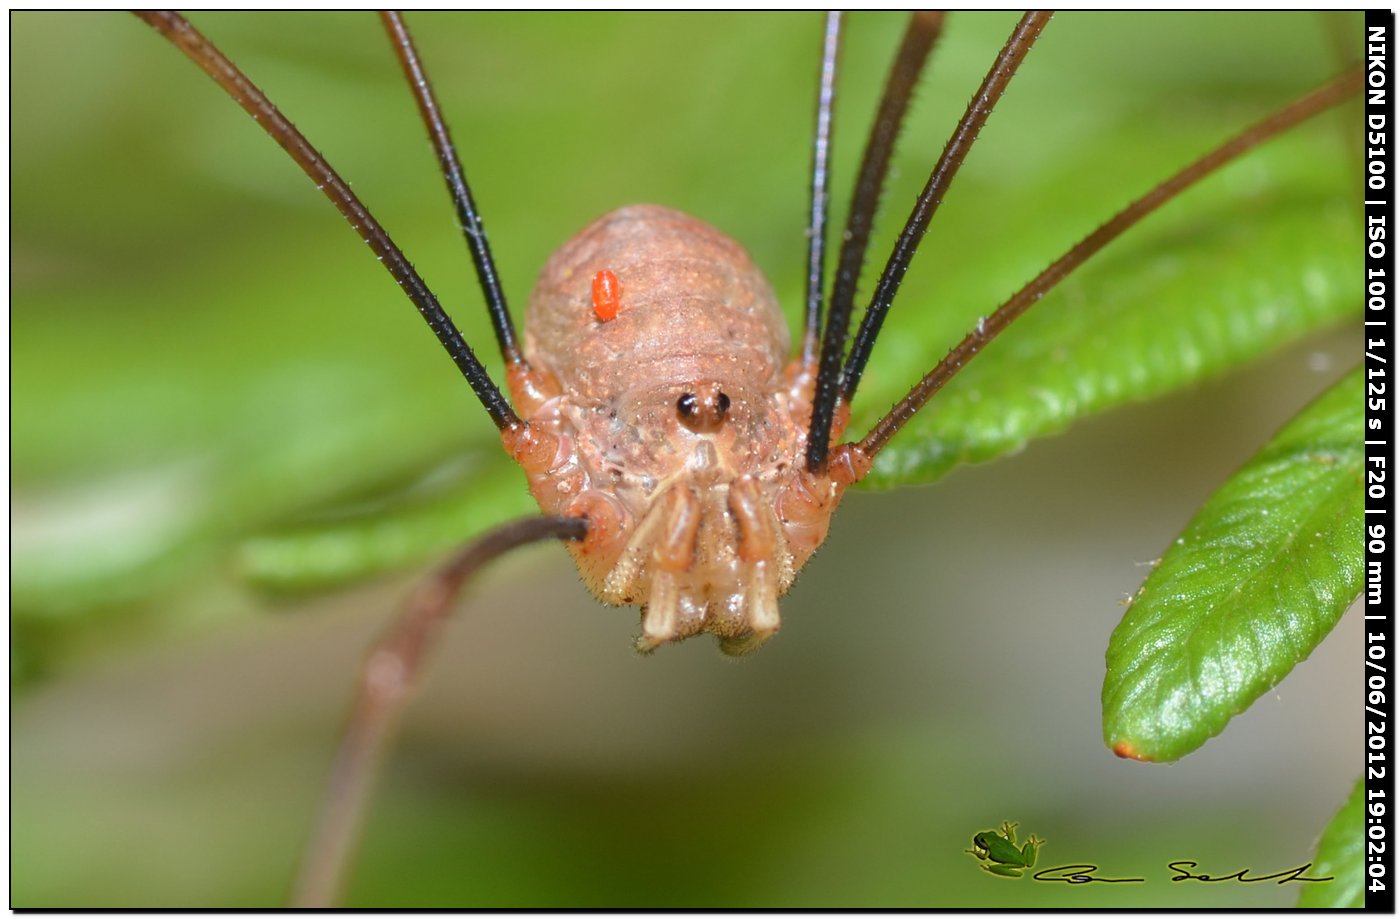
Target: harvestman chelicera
point(697, 476)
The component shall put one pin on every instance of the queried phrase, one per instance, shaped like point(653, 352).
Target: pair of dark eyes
point(689, 405)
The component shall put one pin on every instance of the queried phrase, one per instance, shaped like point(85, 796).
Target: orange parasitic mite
point(607, 295)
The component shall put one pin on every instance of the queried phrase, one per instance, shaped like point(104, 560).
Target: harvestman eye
point(706, 533)
point(703, 413)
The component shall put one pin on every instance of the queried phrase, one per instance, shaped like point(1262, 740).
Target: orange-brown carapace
point(677, 427)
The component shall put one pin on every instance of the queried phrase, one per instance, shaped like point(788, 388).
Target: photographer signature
point(1000, 855)
point(1085, 874)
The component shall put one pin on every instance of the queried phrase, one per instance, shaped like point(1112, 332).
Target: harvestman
point(696, 477)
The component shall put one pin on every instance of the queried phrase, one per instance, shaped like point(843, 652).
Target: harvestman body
point(678, 430)
point(691, 466)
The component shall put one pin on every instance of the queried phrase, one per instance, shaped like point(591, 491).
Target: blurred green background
point(201, 353)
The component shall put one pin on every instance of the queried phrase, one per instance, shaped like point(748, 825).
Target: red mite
point(607, 295)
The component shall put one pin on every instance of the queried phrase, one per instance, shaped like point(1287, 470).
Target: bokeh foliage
point(207, 370)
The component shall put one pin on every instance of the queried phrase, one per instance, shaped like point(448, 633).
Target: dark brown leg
point(390, 671)
point(452, 172)
point(1319, 100)
point(836, 383)
point(821, 189)
point(212, 61)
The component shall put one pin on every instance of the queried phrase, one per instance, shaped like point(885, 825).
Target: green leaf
point(1340, 856)
point(1203, 287)
point(1255, 581)
point(393, 533)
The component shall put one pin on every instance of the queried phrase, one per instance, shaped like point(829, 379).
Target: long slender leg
point(821, 188)
point(390, 671)
point(919, 36)
point(452, 173)
point(1312, 104)
point(978, 110)
point(212, 61)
